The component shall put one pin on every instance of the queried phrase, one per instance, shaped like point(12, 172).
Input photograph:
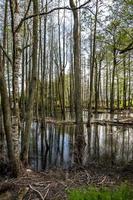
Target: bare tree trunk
point(118, 89)
point(129, 80)
point(51, 95)
point(124, 82)
point(92, 65)
point(3, 64)
point(71, 82)
point(107, 82)
point(113, 78)
point(15, 165)
point(32, 87)
point(61, 66)
point(15, 16)
point(77, 67)
point(43, 86)
point(96, 85)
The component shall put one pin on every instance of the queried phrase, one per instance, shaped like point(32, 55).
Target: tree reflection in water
point(66, 145)
point(79, 144)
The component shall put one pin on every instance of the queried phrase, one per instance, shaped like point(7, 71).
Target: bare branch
point(5, 53)
point(21, 22)
point(46, 13)
point(35, 190)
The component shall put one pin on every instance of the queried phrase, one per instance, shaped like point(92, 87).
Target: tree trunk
point(92, 65)
point(129, 80)
point(32, 87)
point(15, 165)
point(124, 82)
point(77, 67)
point(112, 84)
point(16, 56)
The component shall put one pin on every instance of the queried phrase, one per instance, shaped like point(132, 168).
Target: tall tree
point(92, 64)
point(14, 162)
point(77, 67)
point(32, 88)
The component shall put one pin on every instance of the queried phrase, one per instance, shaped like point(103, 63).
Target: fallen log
point(115, 122)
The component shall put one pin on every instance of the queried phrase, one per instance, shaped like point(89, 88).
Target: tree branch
point(21, 22)
point(5, 53)
point(46, 13)
point(128, 48)
point(35, 190)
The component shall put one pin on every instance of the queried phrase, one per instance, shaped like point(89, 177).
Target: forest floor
point(55, 184)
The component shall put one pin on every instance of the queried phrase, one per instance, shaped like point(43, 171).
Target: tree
point(92, 63)
point(32, 87)
point(14, 162)
point(77, 67)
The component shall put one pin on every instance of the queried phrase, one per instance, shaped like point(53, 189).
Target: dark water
point(100, 144)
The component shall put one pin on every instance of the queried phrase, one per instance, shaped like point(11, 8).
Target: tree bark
point(113, 78)
point(92, 65)
point(14, 162)
point(16, 57)
point(77, 67)
point(32, 88)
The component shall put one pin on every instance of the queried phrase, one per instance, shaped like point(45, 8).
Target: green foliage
point(124, 37)
point(123, 192)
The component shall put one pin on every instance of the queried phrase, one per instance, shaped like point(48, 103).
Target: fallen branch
point(103, 180)
point(35, 190)
point(46, 193)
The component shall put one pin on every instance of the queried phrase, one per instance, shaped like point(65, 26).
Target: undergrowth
point(123, 192)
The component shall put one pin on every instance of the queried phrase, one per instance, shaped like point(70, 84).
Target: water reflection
point(79, 144)
point(64, 146)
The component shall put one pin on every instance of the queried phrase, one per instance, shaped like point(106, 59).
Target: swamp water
point(102, 144)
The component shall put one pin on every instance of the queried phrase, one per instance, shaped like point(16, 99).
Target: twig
point(47, 187)
point(35, 190)
point(5, 53)
point(104, 178)
point(46, 193)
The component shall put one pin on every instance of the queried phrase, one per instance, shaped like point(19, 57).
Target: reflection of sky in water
point(103, 144)
point(66, 148)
